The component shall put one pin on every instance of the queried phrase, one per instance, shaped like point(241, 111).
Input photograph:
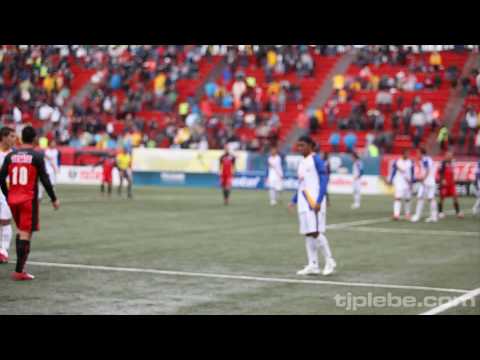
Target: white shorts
point(311, 222)
point(5, 213)
point(426, 191)
point(403, 192)
point(275, 184)
point(357, 186)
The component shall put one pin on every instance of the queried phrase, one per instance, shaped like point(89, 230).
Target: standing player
point(24, 167)
point(108, 164)
point(227, 169)
point(402, 179)
point(275, 176)
point(312, 207)
point(124, 165)
point(476, 207)
point(427, 187)
point(357, 171)
point(7, 141)
point(447, 185)
point(52, 161)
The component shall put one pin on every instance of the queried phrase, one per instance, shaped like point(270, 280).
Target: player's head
point(274, 150)
point(8, 137)
point(306, 145)
point(405, 154)
point(423, 151)
point(53, 144)
point(226, 148)
point(29, 135)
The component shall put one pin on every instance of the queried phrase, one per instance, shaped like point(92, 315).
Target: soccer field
point(180, 251)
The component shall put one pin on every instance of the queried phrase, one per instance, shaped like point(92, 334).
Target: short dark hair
point(308, 140)
point(423, 151)
point(5, 131)
point(28, 135)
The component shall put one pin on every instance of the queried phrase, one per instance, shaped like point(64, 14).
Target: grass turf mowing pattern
point(190, 230)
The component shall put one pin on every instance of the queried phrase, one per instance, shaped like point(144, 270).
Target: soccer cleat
point(441, 215)
point(22, 276)
point(3, 257)
point(309, 270)
point(431, 220)
point(395, 218)
point(329, 267)
point(355, 206)
point(460, 215)
point(415, 219)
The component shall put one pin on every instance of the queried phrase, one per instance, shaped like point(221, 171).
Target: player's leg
point(102, 187)
point(420, 202)
point(476, 206)
point(456, 205)
point(430, 192)
point(129, 184)
point(121, 183)
point(109, 188)
point(397, 203)
point(273, 196)
point(308, 229)
point(407, 196)
point(441, 215)
point(356, 195)
point(27, 216)
point(323, 244)
point(5, 228)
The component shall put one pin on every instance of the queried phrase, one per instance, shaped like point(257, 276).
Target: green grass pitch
point(191, 232)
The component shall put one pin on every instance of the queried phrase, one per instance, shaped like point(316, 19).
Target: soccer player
point(108, 164)
point(402, 179)
point(227, 169)
point(7, 141)
point(124, 165)
point(476, 207)
point(312, 207)
point(24, 167)
point(357, 171)
point(447, 185)
point(427, 187)
point(52, 162)
point(275, 176)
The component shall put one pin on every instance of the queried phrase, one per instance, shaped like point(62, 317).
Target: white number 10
point(23, 178)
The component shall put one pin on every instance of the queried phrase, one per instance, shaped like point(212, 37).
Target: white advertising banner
point(371, 185)
point(83, 175)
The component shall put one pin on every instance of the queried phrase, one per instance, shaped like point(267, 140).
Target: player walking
point(447, 185)
point(426, 188)
point(312, 207)
point(227, 169)
point(402, 179)
point(108, 164)
point(52, 161)
point(275, 176)
point(357, 171)
point(24, 167)
point(7, 141)
point(476, 207)
point(124, 165)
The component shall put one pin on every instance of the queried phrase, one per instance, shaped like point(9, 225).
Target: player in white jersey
point(476, 207)
point(357, 172)
point(51, 165)
point(275, 176)
point(312, 207)
point(402, 177)
point(7, 142)
point(427, 187)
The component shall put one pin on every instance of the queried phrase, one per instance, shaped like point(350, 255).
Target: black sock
point(457, 207)
point(102, 188)
point(440, 207)
point(225, 194)
point(23, 249)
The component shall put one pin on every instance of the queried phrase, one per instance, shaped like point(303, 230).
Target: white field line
point(242, 277)
point(358, 223)
point(412, 231)
point(453, 303)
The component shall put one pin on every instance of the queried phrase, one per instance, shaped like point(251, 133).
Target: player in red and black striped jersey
point(447, 185)
point(227, 170)
point(24, 167)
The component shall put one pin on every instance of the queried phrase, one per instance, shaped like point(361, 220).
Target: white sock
point(357, 198)
point(312, 250)
point(477, 205)
point(433, 209)
point(325, 247)
point(273, 196)
point(408, 206)
point(420, 203)
point(397, 208)
point(6, 237)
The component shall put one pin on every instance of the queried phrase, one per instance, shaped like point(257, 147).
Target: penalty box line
point(243, 277)
point(453, 303)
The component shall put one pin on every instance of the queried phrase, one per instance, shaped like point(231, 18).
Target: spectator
point(443, 138)
point(334, 141)
point(435, 61)
point(350, 140)
point(471, 118)
point(418, 121)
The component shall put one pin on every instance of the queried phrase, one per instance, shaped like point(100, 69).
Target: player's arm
point(220, 166)
point(323, 179)
point(234, 161)
point(394, 172)
point(441, 173)
point(45, 180)
point(4, 175)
